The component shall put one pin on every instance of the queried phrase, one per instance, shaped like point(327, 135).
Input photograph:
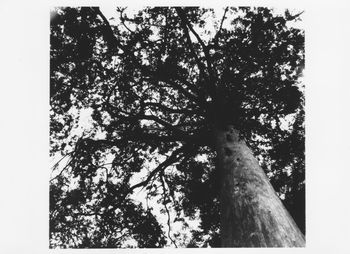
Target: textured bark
point(252, 215)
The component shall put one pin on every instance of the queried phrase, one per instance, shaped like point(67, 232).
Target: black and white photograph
point(174, 127)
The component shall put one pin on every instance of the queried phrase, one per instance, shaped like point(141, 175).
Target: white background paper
point(24, 125)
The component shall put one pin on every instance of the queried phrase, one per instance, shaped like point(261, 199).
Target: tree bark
point(252, 215)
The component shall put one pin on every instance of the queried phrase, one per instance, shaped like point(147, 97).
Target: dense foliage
point(155, 82)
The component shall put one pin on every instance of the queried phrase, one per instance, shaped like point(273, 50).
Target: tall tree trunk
point(252, 215)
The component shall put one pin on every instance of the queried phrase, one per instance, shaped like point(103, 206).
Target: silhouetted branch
point(108, 33)
point(59, 174)
point(211, 86)
point(58, 162)
point(190, 44)
point(216, 38)
point(165, 195)
point(122, 19)
point(88, 214)
point(170, 110)
point(185, 20)
point(164, 123)
point(169, 161)
point(184, 91)
point(290, 17)
point(113, 41)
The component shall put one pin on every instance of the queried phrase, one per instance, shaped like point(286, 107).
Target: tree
point(192, 114)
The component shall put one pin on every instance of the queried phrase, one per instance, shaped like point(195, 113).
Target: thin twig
point(216, 38)
point(122, 19)
point(167, 210)
point(58, 162)
point(211, 82)
point(65, 167)
point(173, 157)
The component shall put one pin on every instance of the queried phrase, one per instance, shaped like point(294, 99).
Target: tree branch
point(170, 110)
point(58, 162)
point(161, 167)
point(88, 214)
point(216, 38)
point(190, 44)
point(122, 19)
point(184, 19)
point(211, 84)
point(113, 41)
point(108, 32)
point(180, 88)
point(65, 167)
point(166, 208)
point(165, 124)
point(290, 17)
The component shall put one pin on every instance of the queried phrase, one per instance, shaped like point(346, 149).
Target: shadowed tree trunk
point(252, 215)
